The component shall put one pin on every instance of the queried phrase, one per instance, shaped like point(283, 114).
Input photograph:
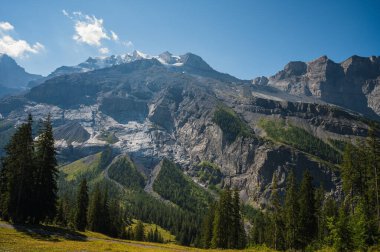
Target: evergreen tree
point(307, 219)
point(45, 185)
point(95, 218)
point(207, 227)
point(139, 231)
point(238, 235)
point(276, 216)
point(82, 206)
point(17, 176)
point(222, 223)
point(291, 212)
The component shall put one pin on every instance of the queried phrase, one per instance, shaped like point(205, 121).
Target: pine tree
point(82, 206)
point(276, 217)
point(45, 187)
point(291, 211)
point(238, 232)
point(17, 176)
point(221, 237)
point(207, 227)
point(139, 231)
point(373, 153)
point(95, 221)
point(307, 219)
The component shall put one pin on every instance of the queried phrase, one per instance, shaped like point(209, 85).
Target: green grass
point(230, 123)
point(82, 166)
point(280, 131)
point(168, 237)
point(28, 240)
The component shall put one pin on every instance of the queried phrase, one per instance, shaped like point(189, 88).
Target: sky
point(243, 38)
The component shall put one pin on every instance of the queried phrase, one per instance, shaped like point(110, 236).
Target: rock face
point(12, 76)
point(165, 108)
point(352, 84)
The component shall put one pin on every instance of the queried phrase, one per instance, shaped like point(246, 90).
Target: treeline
point(310, 219)
point(223, 226)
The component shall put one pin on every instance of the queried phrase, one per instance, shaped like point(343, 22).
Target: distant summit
point(12, 76)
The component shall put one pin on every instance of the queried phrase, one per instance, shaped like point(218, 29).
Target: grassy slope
point(279, 131)
point(168, 237)
point(81, 166)
point(15, 240)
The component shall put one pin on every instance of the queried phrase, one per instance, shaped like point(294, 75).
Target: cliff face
point(152, 111)
point(352, 84)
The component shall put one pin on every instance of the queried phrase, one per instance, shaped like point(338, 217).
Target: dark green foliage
point(209, 173)
point(126, 173)
point(207, 227)
point(227, 229)
point(82, 206)
point(28, 175)
point(95, 211)
point(17, 175)
point(231, 125)
point(300, 139)
point(291, 212)
point(106, 158)
point(276, 220)
point(139, 233)
point(173, 185)
point(154, 236)
point(45, 185)
point(307, 213)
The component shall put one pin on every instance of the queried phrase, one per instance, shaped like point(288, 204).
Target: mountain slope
point(12, 76)
point(353, 84)
point(156, 111)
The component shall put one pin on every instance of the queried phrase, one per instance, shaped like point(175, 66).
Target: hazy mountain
point(178, 107)
point(13, 78)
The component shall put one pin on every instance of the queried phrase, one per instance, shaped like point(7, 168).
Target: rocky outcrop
point(351, 84)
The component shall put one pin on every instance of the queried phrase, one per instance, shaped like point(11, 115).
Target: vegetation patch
point(88, 165)
point(209, 173)
point(173, 185)
point(299, 138)
point(231, 125)
point(126, 173)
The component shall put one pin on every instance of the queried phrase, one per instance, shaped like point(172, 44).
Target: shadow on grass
point(49, 233)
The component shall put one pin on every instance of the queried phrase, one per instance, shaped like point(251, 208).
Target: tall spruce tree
point(139, 231)
point(82, 206)
point(17, 176)
point(238, 235)
point(307, 219)
point(276, 214)
point(95, 218)
point(207, 227)
point(45, 185)
point(291, 211)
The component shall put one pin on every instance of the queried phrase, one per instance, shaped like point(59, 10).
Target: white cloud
point(114, 36)
point(104, 50)
point(5, 26)
point(89, 29)
point(16, 48)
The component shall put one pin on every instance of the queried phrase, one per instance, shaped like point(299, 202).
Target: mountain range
point(179, 108)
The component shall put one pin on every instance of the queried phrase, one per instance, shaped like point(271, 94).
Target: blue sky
point(244, 38)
